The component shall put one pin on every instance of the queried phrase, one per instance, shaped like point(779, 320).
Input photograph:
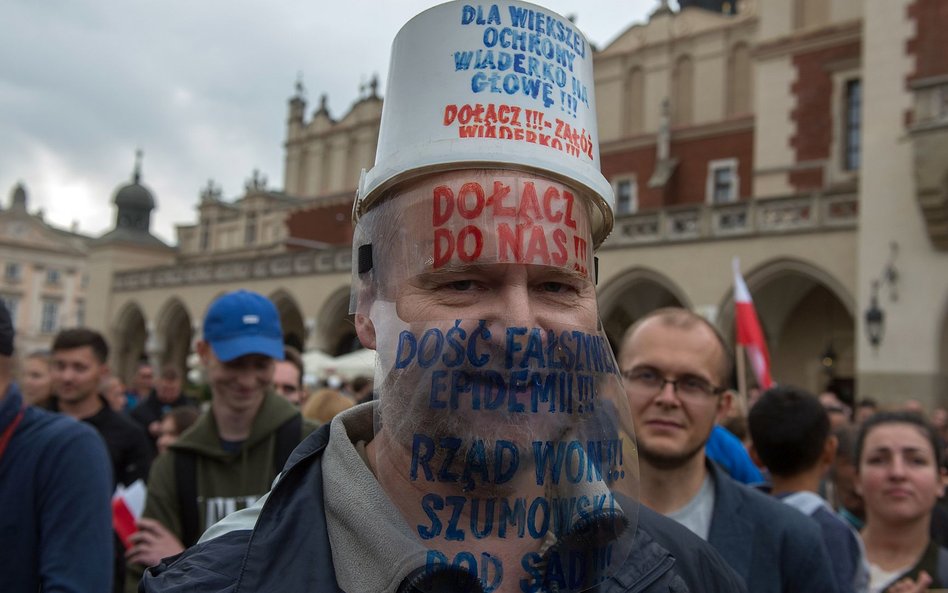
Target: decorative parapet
point(702, 222)
point(306, 263)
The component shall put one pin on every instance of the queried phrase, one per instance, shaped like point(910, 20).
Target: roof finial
point(137, 174)
point(374, 86)
point(300, 89)
point(663, 9)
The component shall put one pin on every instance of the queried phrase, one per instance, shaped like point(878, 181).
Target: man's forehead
point(285, 366)
point(656, 335)
point(84, 353)
point(484, 216)
point(498, 269)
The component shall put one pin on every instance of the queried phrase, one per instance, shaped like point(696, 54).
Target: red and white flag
point(127, 506)
point(748, 330)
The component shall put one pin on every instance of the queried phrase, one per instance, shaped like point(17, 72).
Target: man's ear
point(724, 406)
point(203, 351)
point(752, 451)
point(365, 329)
point(829, 451)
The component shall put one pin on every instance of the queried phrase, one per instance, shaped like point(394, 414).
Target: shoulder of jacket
point(210, 567)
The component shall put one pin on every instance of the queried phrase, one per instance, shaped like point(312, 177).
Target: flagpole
point(741, 375)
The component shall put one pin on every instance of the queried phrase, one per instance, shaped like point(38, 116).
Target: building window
point(627, 198)
point(723, 183)
point(852, 125)
point(52, 276)
point(10, 302)
point(250, 231)
point(50, 317)
point(205, 239)
point(12, 272)
point(80, 313)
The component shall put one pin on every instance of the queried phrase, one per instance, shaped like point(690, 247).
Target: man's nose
point(516, 306)
point(667, 395)
point(247, 376)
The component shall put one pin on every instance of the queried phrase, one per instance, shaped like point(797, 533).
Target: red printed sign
point(510, 122)
point(536, 223)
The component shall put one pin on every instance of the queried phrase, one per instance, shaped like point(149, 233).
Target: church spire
point(137, 172)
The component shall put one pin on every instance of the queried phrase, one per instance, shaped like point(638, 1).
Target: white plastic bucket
point(490, 85)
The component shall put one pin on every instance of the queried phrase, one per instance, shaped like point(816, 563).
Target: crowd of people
point(242, 436)
point(503, 445)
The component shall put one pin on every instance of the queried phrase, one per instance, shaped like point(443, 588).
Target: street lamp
point(828, 359)
point(875, 317)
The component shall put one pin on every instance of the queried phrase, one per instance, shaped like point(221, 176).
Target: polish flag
point(749, 333)
point(127, 506)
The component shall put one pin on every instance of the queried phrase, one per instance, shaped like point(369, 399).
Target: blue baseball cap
point(241, 323)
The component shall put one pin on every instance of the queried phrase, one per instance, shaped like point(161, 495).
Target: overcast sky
point(200, 86)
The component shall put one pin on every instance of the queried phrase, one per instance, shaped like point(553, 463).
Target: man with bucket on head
point(499, 454)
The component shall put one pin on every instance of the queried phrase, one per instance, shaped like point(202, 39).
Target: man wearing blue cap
point(229, 458)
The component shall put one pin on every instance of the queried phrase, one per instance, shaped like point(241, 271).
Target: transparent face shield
point(503, 433)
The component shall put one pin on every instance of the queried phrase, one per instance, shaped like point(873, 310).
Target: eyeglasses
point(648, 382)
point(286, 388)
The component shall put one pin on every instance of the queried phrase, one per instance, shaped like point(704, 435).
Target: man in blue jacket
point(675, 364)
point(498, 455)
point(55, 490)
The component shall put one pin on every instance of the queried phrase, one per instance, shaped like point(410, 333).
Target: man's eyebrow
point(561, 273)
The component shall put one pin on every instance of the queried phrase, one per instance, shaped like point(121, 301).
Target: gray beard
point(404, 412)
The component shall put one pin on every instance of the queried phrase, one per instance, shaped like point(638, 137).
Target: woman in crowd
point(36, 380)
point(900, 480)
point(173, 424)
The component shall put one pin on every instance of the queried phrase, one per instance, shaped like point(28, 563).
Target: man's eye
point(460, 285)
point(694, 383)
point(554, 287)
point(646, 375)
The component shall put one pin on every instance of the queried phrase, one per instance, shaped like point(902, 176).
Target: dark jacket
point(773, 547)
point(934, 561)
point(289, 549)
point(128, 445)
point(152, 409)
point(55, 492)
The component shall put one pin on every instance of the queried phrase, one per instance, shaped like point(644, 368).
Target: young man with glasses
point(675, 367)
